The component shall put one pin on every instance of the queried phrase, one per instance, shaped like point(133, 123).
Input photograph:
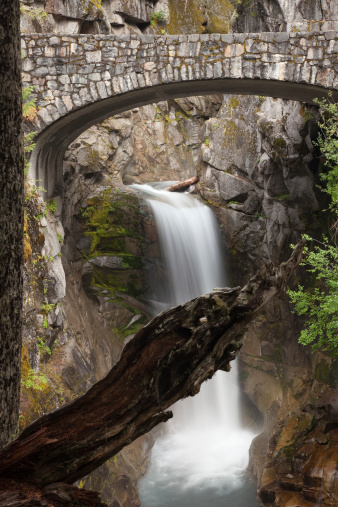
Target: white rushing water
point(201, 458)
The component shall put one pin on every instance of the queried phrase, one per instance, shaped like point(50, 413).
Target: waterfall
point(201, 457)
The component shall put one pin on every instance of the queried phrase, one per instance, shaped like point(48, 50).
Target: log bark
point(167, 360)
point(183, 185)
point(23, 494)
point(11, 217)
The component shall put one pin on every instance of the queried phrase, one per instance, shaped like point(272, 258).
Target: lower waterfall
point(202, 457)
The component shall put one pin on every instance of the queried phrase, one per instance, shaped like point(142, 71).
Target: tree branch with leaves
point(319, 304)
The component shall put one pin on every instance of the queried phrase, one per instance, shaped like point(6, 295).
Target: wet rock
point(107, 261)
point(233, 187)
point(310, 455)
point(76, 9)
point(135, 11)
point(146, 145)
point(273, 180)
point(56, 281)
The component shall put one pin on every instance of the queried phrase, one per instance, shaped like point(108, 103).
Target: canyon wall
point(258, 171)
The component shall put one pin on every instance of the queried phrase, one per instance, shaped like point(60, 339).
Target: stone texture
point(308, 474)
point(136, 11)
point(76, 9)
point(253, 167)
point(155, 142)
point(138, 72)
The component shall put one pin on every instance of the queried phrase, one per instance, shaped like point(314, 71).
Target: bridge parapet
point(82, 79)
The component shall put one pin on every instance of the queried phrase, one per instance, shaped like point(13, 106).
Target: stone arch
point(52, 142)
point(82, 80)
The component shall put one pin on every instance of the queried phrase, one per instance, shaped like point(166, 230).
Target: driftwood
point(167, 360)
point(183, 185)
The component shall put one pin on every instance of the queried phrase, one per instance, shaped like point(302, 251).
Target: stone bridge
point(80, 80)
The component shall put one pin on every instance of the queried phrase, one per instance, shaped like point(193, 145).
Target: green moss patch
point(327, 373)
point(110, 218)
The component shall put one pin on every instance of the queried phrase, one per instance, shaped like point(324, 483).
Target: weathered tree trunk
point(167, 360)
point(11, 217)
point(180, 186)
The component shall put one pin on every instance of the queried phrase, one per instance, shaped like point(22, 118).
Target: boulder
point(135, 11)
point(56, 281)
point(76, 9)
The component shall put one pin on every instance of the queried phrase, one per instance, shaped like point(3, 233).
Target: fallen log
point(180, 186)
point(23, 494)
point(166, 360)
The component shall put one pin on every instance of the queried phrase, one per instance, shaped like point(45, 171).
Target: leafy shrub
point(159, 17)
point(320, 303)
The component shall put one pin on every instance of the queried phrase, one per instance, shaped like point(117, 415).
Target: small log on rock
point(166, 361)
point(183, 185)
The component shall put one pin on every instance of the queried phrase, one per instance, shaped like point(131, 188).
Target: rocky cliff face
point(259, 173)
point(258, 170)
point(79, 314)
point(217, 16)
point(286, 15)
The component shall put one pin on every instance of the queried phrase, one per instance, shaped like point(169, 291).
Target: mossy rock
point(130, 281)
point(327, 373)
point(124, 331)
point(200, 17)
point(111, 217)
point(243, 375)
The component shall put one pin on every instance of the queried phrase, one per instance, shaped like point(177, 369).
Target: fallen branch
point(183, 185)
point(166, 360)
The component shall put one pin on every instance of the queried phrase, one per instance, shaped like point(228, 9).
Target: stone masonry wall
point(70, 72)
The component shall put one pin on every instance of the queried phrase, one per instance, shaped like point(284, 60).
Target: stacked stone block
point(69, 72)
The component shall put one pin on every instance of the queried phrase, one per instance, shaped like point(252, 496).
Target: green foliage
point(231, 202)
point(34, 380)
point(308, 115)
point(328, 143)
point(43, 347)
point(320, 303)
point(26, 93)
point(35, 13)
point(87, 212)
point(29, 145)
point(29, 112)
point(33, 193)
point(45, 307)
point(28, 105)
point(51, 206)
point(283, 197)
point(158, 17)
